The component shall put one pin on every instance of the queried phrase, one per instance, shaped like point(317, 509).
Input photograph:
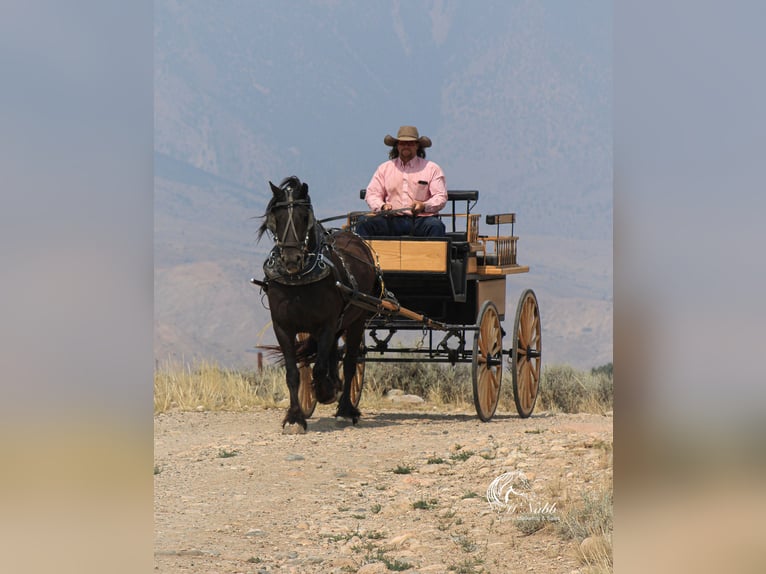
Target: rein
point(388, 213)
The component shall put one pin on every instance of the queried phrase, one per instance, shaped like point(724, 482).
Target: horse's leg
point(353, 342)
point(332, 366)
point(294, 413)
point(326, 359)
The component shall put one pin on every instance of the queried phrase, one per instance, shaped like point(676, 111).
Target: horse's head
point(290, 219)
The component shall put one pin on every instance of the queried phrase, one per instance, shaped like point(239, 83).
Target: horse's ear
point(305, 189)
point(274, 189)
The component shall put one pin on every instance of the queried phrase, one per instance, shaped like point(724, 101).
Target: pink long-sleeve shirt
point(400, 185)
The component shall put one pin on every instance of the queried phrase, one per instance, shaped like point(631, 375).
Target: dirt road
point(402, 491)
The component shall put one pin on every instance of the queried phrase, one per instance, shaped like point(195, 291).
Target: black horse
point(301, 274)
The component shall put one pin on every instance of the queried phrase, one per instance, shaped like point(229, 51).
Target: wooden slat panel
point(473, 227)
point(388, 252)
point(424, 256)
point(502, 249)
point(403, 255)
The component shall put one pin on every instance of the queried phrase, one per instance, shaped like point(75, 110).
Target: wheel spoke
point(491, 393)
point(522, 335)
point(532, 336)
point(490, 382)
point(520, 361)
point(536, 323)
point(531, 313)
point(532, 385)
point(483, 395)
point(526, 386)
point(496, 340)
point(519, 390)
point(536, 371)
point(486, 395)
point(527, 320)
point(482, 343)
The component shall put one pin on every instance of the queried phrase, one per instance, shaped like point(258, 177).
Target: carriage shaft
point(387, 307)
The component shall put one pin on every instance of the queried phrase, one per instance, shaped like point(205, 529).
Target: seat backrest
point(452, 194)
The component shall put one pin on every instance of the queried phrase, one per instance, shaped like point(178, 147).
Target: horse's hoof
point(293, 428)
point(348, 412)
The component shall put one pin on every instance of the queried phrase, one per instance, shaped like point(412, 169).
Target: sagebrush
point(208, 386)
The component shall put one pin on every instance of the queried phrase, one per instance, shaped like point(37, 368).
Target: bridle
point(290, 238)
point(316, 260)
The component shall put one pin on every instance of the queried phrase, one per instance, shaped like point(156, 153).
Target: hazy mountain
point(516, 97)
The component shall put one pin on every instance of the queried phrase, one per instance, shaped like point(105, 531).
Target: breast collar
point(317, 265)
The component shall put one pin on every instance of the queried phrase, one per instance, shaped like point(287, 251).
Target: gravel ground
point(400, 491)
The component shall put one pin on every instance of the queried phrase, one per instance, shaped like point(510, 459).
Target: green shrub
point(606, 369)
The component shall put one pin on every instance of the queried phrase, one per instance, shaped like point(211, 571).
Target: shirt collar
point(414, 162)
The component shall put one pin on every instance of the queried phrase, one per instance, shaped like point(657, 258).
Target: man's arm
point(437, 187)
point(376, 192)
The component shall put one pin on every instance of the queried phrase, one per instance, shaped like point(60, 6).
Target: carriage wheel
point(487, 365)
point(306, 396)
point(526, 362)
point(357, 383)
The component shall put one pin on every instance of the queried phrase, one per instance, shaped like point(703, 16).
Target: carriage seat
point(461, 224)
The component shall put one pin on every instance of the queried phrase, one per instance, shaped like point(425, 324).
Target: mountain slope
point(516, 97)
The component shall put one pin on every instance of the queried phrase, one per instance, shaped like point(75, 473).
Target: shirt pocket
point(421, 190)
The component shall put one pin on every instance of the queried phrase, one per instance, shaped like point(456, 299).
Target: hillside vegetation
point(207, 386)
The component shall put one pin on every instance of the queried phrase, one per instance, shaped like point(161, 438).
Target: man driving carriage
point(409, 187)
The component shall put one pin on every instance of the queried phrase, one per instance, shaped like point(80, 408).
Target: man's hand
point(386, 207)
point(418, 207)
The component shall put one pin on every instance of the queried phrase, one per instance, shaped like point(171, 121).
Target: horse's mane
point(264, 224)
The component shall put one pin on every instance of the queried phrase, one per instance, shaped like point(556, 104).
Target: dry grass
point(565, 389)
point(211, 387)
point(590, 523)
point(439, 384)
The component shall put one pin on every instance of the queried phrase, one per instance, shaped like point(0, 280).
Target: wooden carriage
point(454, 290)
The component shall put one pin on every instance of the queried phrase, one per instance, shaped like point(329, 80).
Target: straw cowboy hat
point(408, 134)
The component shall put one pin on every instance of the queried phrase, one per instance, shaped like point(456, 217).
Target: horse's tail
point(273, 353)
point(305, 352)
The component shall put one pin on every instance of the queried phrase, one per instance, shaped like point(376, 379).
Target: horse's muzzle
point(293, 259)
